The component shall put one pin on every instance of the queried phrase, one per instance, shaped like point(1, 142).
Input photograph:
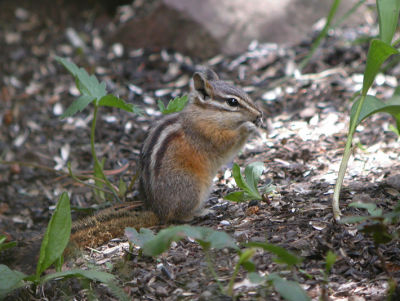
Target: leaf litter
point(301, 145)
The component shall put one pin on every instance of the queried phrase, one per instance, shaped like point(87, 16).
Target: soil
point(301, 145)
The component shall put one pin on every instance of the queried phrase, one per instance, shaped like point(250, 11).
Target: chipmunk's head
point(221, 101)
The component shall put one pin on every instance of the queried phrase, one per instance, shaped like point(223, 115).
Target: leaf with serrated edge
point(112, 101)
point(86, 84)
point(78, 105)
point(175, 105)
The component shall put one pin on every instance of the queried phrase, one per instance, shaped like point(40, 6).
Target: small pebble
point(224, 223)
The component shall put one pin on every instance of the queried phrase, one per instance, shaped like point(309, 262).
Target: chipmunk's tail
point(110, 223)
point(92, 231)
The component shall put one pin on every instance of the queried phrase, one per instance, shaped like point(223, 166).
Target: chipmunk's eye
point(233, 102)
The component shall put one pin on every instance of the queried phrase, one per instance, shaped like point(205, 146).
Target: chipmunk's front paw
point(249, 128)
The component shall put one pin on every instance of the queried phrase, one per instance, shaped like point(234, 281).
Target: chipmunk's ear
point(210, 74)
point(201, 85)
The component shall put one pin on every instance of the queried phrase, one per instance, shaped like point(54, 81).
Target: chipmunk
point(179, 158)
point(184, 151)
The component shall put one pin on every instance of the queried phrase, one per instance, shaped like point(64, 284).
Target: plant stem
point(345, 160)
point(96, 160)
point(321, 35)
point(232, 280)
point(211, 268)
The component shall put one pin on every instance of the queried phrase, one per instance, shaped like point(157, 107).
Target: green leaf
point(162, 241)
point(90, 274)
point(206, 237)
point(175, 105)
point(329, 260)
point(6, 245)
point(112, 101)
point(394, 130)
point(78, 105)
point(253, 172)
point(9, 280)
point(283, 256)
point(236, 196)
point(140, 238)
point(371, 208)
point(217, 239)
point(373, 105)
point(240, 182)
point(388, 13)
point(57, 235)
point(87, 84)
point(244, 260)
point(353, 219)
point(249, 266)
point(246, 255)
point(378, 52)
point(255, 278)
point(108, 279)
point(289, 290)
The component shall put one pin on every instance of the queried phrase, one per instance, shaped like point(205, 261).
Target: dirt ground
point(301, 144)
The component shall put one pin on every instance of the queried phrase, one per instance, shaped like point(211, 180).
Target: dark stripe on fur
point(146, 154)
point(163, 149)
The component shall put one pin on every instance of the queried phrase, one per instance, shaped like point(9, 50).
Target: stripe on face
point(219, 102)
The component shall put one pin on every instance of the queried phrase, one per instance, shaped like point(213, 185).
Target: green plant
point(175, 105)
point(366, 105)
point(53, 244)
point(208, 239)
point(248, 183)
point(6, 245)
point(94, 92)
